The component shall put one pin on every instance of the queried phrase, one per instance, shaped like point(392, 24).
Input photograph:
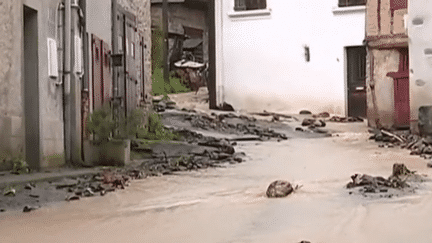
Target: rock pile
point(345, 119)
point(399, 179)
point(404, 139)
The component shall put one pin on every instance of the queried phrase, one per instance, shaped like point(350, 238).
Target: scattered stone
point(65, 183)
point(307, 122)
point(10, 192)
point(2, 210)
point(305, 112)
point(299, 129)
point(34, 195)
point(429, 164)
point(279, 189)
point(29, 186)
point(72, 198)
point(28, 209)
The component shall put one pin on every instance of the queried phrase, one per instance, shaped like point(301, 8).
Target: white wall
point(420, 63)
point(263, 59)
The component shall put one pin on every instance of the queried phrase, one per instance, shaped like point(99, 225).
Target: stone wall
point(11, 105)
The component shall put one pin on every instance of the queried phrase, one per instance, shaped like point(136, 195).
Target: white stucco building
point(261, 54)
point(420, 59)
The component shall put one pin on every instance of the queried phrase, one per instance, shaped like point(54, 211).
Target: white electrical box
point(52, 58)
point(78, 55)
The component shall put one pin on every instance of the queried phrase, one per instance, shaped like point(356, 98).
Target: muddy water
point(229, 204)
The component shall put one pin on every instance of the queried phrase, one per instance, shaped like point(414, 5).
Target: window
point(244, 5)
point(348, 3)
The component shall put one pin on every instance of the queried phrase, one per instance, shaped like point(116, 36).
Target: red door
point(401, 90)
point(402, 108)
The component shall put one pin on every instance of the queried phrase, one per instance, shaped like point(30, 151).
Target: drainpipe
point(165, 42)
point(67, 78)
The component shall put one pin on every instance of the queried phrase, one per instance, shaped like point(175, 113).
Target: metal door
point(125, 75)
point(131, 59)
point(356, 71)
point(97, 88)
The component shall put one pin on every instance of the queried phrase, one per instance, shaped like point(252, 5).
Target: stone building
point(48, 82)
point(387, 72)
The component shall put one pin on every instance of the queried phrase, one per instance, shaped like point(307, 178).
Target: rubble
point(400, 179)
point(417, 145)
point(345, 119)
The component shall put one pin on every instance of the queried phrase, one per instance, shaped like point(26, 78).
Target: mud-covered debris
point(10, 192)
point(29, 186)
point(345, 119)
point(27, 209)
point(305, 112)
point(72, 198)
point(400, 178)
point(279, 188)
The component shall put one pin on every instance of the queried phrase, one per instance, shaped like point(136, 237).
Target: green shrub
point(101, 124)
point(160, 87)
point(154, 130)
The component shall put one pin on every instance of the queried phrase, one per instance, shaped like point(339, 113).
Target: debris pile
point(404, 139)
point(345, 119)
point(400, 179)
point(233, 124)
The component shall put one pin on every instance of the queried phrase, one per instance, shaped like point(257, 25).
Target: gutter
point(66, 80)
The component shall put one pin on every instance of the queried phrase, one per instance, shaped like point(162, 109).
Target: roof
point(192, 43)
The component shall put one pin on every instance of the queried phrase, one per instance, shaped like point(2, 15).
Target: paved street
point(229, 204)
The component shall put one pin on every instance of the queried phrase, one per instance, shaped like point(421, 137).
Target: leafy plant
point(154, 130)
point(101, 124)
point(160, 87)
point(129, 127)
point(19, 166)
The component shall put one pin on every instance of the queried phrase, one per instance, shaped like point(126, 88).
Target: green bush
point(101, 124)
point(154, 130)
point(160, 87)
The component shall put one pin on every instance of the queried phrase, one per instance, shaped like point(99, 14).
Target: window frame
point(242, 5)
point(351, 3)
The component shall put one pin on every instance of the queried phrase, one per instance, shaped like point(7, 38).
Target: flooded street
point(229, 204)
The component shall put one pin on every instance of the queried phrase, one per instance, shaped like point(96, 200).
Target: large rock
point(279, 189)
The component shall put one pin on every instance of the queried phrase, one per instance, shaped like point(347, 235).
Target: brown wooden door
point(356, 71)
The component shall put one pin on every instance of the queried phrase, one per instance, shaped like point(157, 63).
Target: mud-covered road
point(229, 204)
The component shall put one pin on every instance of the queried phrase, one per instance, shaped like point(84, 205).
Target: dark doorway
point(31, 88)
point(356, 71)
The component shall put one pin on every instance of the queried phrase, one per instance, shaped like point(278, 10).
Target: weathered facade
point(186, 18)
point(420, 58)
point(388, 98)
point(46, 74)
point(290, 55)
